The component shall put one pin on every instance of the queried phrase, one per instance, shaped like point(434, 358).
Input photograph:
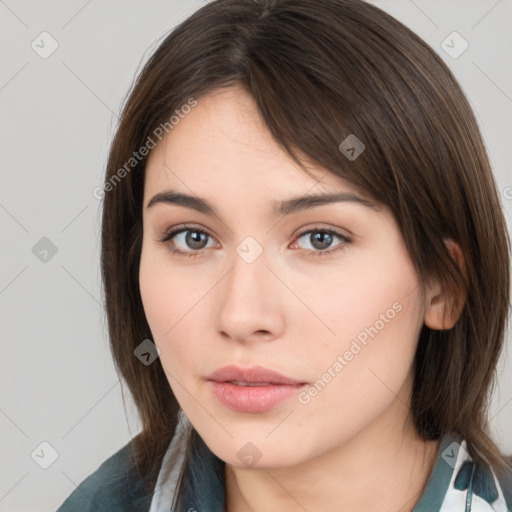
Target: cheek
point(372, 296)
point(376, 316)
point(155, 293)
point(171, 301)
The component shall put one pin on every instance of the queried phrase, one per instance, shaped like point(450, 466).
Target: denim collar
point(205, 474)
point(440, 478)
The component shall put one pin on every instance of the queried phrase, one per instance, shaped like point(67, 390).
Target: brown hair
point(319, 71)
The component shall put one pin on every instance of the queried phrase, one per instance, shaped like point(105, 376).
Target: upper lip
point(253, 374)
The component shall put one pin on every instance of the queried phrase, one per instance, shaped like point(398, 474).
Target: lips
point(254, 389)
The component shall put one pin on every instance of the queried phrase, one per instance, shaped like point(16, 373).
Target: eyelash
point(192, 254)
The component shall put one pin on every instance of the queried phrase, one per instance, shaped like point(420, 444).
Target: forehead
point(223, 146)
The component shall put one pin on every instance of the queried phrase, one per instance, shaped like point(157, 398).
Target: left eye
point(321, 239)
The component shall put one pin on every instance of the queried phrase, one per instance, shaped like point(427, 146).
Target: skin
point(289, 310)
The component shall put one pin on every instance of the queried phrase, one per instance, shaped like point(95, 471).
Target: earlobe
point(442, 310)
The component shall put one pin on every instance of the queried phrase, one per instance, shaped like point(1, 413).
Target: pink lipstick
point(254, 389)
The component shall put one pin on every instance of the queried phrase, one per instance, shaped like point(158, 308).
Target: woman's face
point(325, 294)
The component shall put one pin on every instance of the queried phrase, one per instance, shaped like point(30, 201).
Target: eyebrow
point(279, 208)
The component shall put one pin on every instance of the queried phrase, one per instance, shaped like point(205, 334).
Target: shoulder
point(115, 485)
point(504, 479)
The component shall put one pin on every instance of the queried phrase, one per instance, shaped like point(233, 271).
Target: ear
point(441, 309)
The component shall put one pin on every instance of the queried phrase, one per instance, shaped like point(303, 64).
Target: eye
point(191, 241)
point(185, 237)
point(322, 239)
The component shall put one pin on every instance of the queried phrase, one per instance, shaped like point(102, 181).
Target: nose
point(250, 301)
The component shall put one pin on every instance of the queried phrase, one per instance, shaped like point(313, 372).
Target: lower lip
point(253, 398)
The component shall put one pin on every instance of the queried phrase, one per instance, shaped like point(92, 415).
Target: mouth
point(254, 389)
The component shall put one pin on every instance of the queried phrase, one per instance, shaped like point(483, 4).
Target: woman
point(306, 271)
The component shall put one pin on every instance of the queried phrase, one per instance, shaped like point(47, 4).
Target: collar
point(457, 483)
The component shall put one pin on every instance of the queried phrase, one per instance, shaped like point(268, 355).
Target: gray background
point(58, 114)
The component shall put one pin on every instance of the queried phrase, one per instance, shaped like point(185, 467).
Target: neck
point(383, 467)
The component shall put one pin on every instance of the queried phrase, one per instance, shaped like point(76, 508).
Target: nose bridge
point(249, 273)
point(248, 302)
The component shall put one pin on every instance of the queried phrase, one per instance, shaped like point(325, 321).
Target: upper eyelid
point(177, 229)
